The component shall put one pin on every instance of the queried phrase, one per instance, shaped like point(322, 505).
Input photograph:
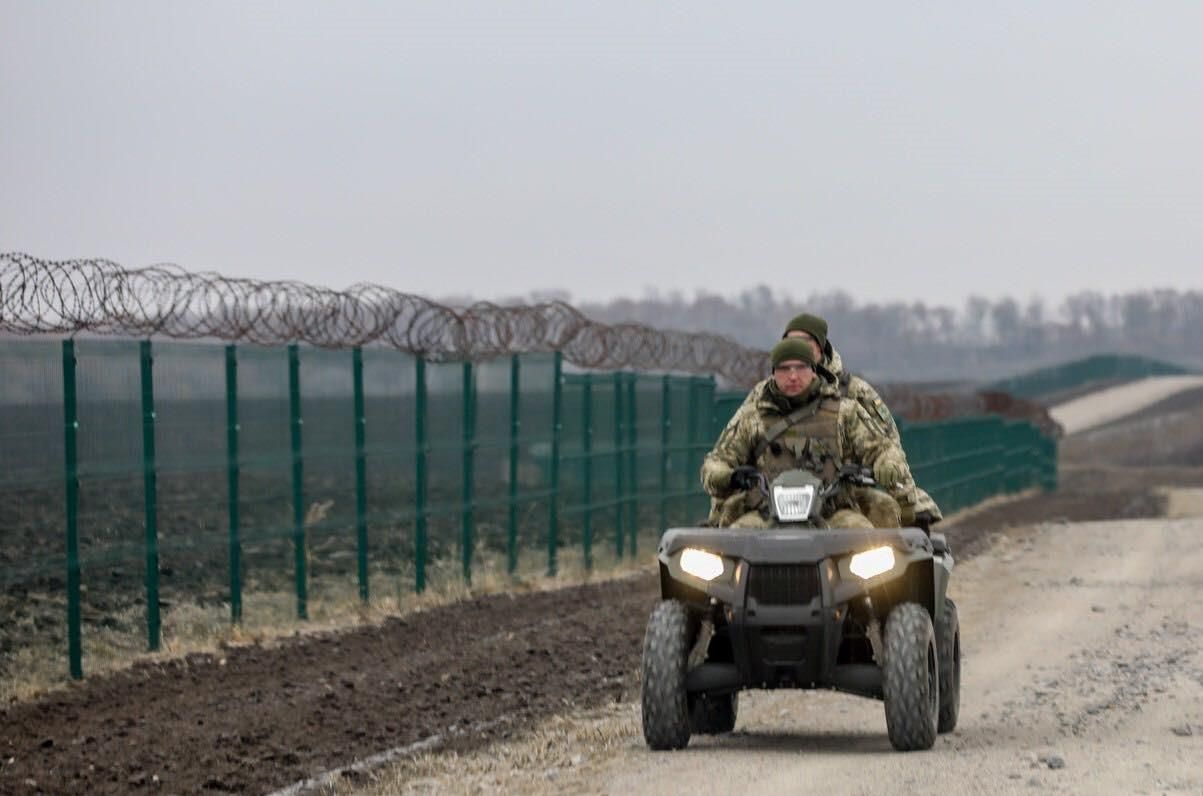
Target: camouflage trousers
point(844, 518)
point(870, 505)
point(882, 510)
point(924, 502)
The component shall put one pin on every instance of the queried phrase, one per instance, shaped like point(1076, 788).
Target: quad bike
point(802, 605)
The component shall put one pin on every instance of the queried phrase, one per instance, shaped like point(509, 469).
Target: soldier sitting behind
point(822, 431)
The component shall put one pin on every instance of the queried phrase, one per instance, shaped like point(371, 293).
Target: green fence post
point(420, 454)
point(361, 473)
point(633, 459)
point(298, 478)
point(232, 483)
point(553, 502)
point(469, 443)
point(665, 438)
point(150, 495)
point(1049, 459)
point(70, 459)
point(511, 542)
point(618, 465)
point(706, 438)
point(587, 465)
point(693, 411)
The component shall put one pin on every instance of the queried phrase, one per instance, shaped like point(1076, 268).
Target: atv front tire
point(911, 678)
point(713, 714)
point(950, 667)
point(666, 648)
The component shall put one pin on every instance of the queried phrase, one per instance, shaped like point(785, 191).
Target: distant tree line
point(914, 341)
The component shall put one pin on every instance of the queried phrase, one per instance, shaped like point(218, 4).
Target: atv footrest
point(858, 678)
point(713, 678)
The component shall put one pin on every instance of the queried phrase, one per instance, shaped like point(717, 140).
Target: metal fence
point(965, 460)
point(1103, 367)
point(140, 475)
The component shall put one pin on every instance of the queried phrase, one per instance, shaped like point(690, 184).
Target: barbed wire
point(100, 296)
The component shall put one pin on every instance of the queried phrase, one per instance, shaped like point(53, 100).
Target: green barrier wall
point(139, 478)
point(963, 461)
point(1072, 374)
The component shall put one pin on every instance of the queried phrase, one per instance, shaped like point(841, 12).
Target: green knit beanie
point(813, 325)
point(792, 348)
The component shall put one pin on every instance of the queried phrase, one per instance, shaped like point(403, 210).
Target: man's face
point(810, 341)
point(793, 377)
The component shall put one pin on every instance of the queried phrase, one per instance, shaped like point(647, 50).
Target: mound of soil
point(252, 719)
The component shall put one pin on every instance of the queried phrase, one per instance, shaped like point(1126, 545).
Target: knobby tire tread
point(666, 648)
point(949, 640)
point(910, 716)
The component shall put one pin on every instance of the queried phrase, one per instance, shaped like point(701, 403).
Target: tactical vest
point(811, 442)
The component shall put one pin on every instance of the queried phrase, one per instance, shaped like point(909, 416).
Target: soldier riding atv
point(807, 588)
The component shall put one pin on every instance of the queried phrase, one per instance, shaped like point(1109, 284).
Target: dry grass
point(270, 616)
point(562, 748)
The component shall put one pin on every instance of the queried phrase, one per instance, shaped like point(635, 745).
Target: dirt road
point(1083, 674)
point(1103, 406)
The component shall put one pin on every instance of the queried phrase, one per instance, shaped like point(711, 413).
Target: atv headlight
point(792, 503)
point(872, 562)
point(701, 564)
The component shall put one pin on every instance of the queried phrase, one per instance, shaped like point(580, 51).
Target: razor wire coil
point(102, 297)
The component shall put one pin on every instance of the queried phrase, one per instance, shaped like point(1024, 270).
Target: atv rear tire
point(713, 714)
point(949, 639)
point(666, 646)
point(911, 678)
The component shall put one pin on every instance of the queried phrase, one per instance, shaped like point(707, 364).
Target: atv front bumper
point(784, 598)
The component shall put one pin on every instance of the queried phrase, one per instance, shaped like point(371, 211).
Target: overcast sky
point(895, 150)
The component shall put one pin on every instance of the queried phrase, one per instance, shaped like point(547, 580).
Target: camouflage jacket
point(862, 392)
point(849, 385)
point(858, 439)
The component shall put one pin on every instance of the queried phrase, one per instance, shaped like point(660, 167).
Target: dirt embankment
point(487, 671)
point(1096, 408)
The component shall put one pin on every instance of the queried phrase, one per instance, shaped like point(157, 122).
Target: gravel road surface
point(1097, 408)
point(1083, 673)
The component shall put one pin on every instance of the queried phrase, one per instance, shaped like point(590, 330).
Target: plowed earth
point(254, 719)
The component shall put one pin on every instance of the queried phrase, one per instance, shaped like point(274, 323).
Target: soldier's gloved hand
point(924, 521)
point(887, 472)
point(743, 477)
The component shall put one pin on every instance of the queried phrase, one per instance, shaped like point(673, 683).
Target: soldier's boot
point(924, 502)
point(751, 520)
point(849, 518)
point(882, 510)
